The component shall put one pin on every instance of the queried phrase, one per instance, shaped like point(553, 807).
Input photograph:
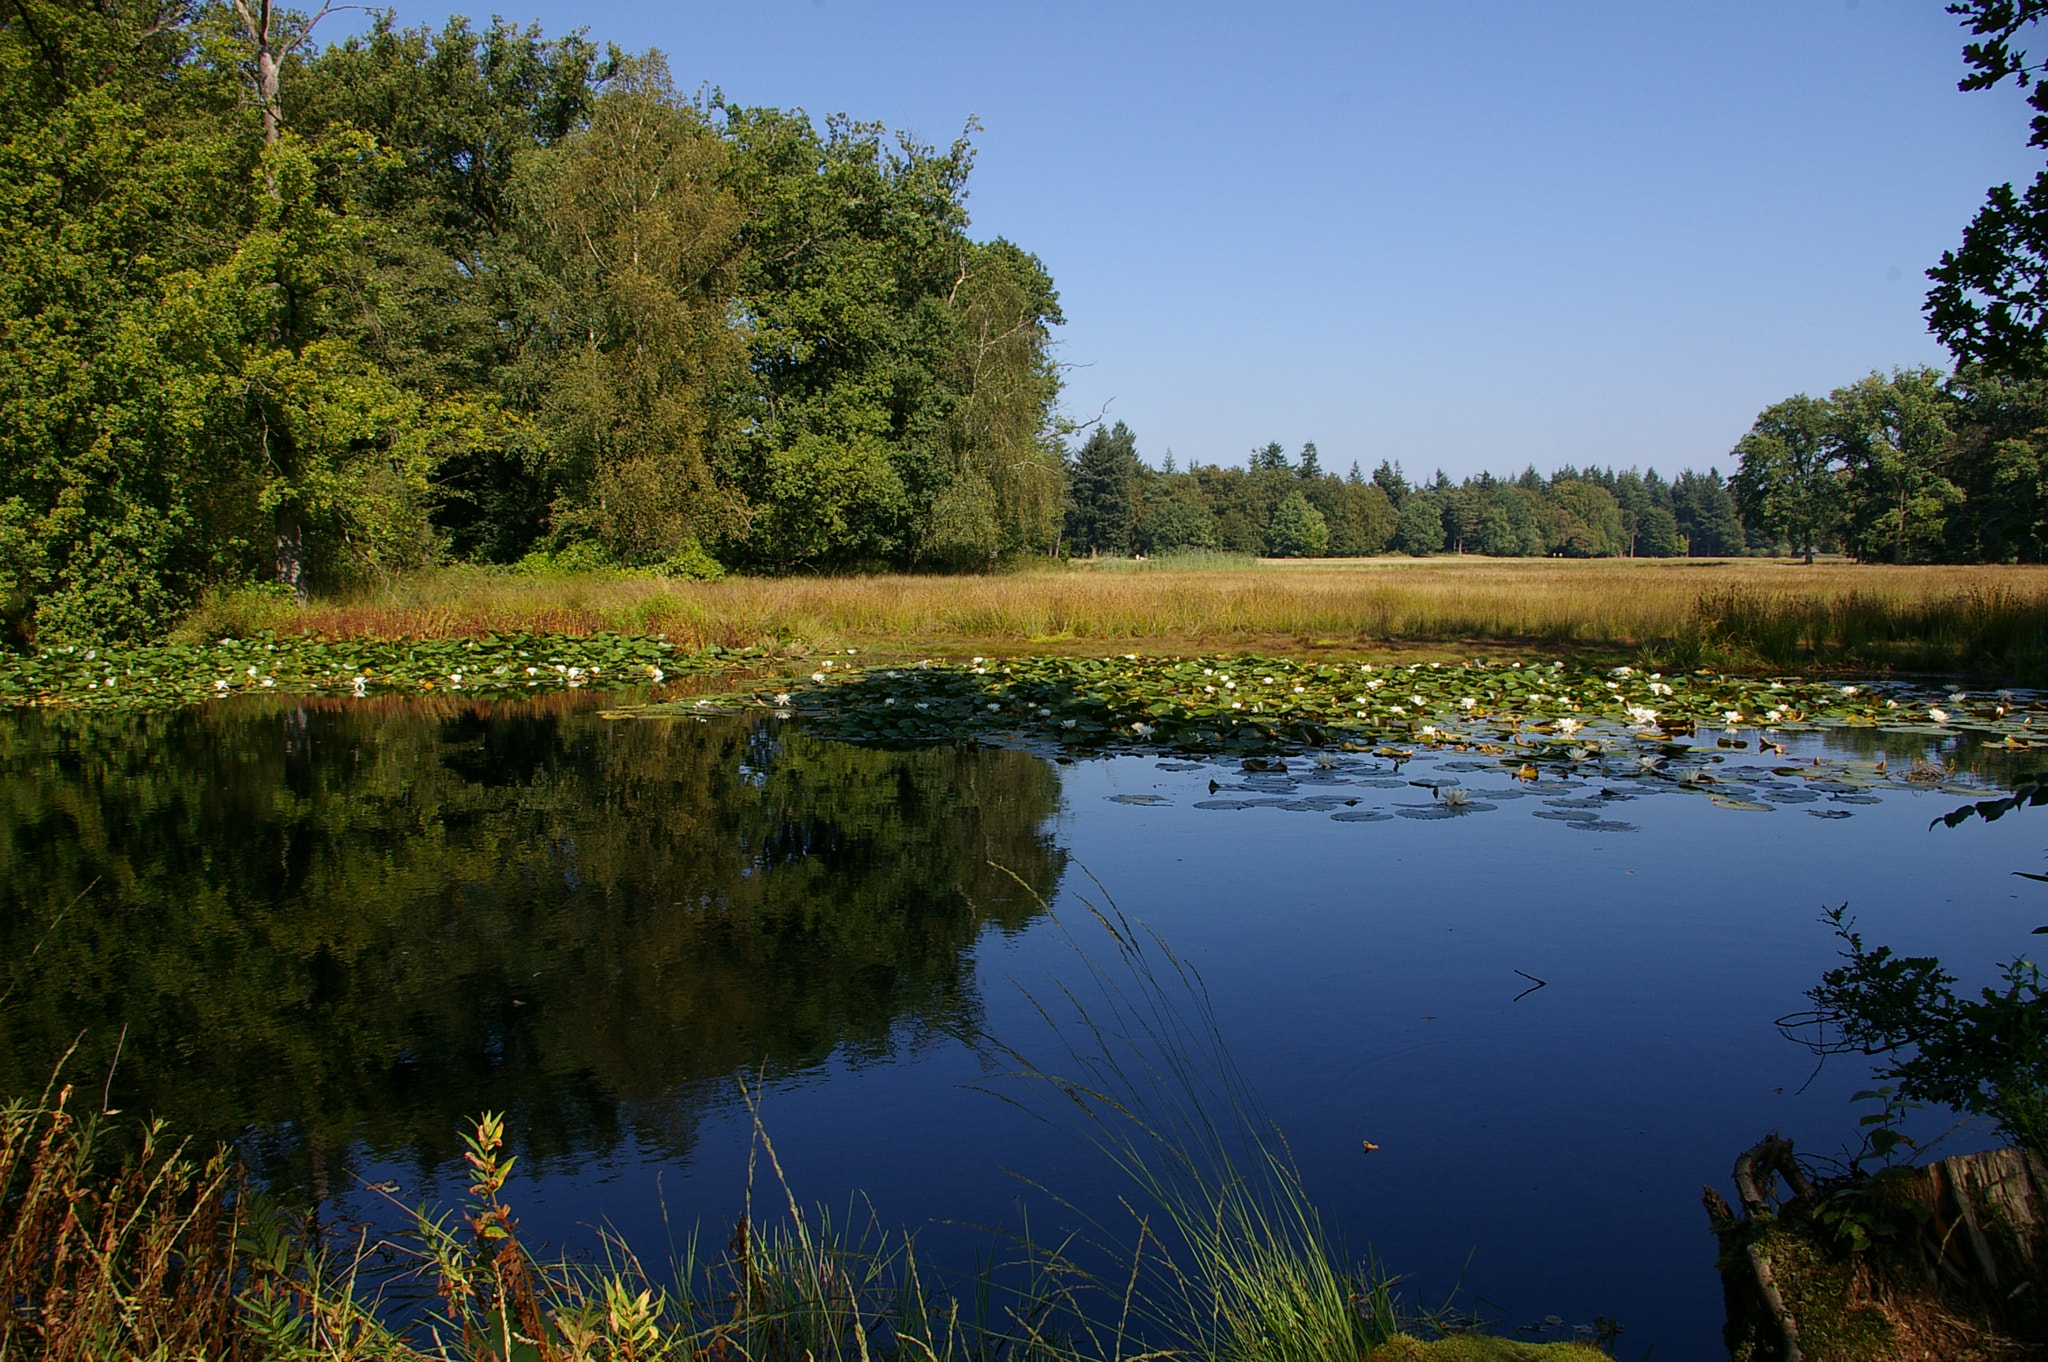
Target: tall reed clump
point(106, 1255)
point(1989, 628)
point(1241, 1267)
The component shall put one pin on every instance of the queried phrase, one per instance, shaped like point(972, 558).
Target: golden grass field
point(1738, 612)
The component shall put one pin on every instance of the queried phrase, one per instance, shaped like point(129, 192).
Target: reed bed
point(1733, 613)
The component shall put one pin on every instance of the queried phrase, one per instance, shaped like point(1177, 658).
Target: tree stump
point(1942, 1263)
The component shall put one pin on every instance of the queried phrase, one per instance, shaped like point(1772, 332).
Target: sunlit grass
point(1733, 613)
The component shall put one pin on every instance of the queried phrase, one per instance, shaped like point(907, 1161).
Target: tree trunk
point(291, 553)
point(258, 23)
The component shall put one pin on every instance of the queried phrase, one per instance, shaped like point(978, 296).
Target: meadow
point(1743, 614)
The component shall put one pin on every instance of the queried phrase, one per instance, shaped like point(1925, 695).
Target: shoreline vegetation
point(119, 1241)
point(1736, 615)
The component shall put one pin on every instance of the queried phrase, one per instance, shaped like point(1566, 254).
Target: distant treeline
point(1294, 509)
point(1914, 467)
point(275, 311)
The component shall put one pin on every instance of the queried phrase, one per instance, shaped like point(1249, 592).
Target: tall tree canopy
point(273, 310)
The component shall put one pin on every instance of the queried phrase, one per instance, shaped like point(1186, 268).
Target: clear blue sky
point(1460, 236)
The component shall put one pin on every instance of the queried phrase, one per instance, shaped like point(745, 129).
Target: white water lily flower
point(1237, 704)
point(1416, 700)
point(252, 671)
point(1361, 714)
point(1375, 683)
point(830, 663)
point(1130, 657)
point(1939, 716)
point(890, 700)
point(1468, 702)
point(1775, 715)
point(1569, 726)
point(1731, 716)
point(1848, 690)
point(993, 707)
point(1614, 685)
point(1427, 731)
point(660, 676)
point(1143, 730)
point(977, 661)
point(1641, 715)
point(1067, 723)
point(818, 677)
point(456, 678)
point(1301, 690)
point(1623, 671)
point(268, 681)
point(1398, 710)
point(1267, 679)
point(782, 698)
point(1228, 684)
point(221, 684)
point(1208, 690)
point(1044, 713)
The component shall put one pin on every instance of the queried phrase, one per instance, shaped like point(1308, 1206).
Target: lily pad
point(1361, 816)
point(1139, 799)
point(1601, 825)
point(1829, 813)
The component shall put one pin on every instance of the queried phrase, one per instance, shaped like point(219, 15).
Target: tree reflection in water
point(321, 924)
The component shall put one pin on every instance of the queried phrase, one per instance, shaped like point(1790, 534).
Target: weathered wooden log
point(1947, 1261)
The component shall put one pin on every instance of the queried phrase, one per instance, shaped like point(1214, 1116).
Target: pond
point(331, 930)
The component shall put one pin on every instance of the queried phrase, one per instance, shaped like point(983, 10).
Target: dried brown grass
point(1722, 612)
point(136, 1260)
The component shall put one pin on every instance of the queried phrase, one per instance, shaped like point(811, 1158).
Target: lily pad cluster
point(1252, 704)
point(500, 665)
point(1585, 791)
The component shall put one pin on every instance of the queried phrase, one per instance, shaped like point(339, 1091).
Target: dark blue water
point(332, 933)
